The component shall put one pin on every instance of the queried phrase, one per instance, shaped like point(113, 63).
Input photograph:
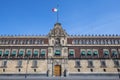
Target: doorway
point(57, 70)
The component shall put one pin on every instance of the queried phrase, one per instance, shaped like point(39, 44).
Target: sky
point(34, 17)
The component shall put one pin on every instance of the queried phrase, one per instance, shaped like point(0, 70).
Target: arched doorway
point(57, 70)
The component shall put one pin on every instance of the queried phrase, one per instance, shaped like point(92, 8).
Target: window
point(116, 63)
point(103, 64)
point(0, 52)
point(28, 53)
point(106, 54)
point(77, 64)
point(13, 53)
point(71, 53)
point(57, 52)
point(89, 53)
point(90, 64)
point(21, 52)
point(34, 64)
point(83, 53)
point(114, 53)
point(19, 64)
point(4, 64)
point(35, 53)
point(43, 52)
point(95, 53)
point(6, 53)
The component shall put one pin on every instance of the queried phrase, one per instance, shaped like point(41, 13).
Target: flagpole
point(57, 13)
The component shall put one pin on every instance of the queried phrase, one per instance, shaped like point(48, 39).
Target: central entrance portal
point(57, 70)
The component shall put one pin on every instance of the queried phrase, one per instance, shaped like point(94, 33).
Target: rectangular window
point(103, 64)
point(90, 64)
point(116, 63)
point(4, 64)
point(34, 64)
point(57, 52)
point(19, 64)
point(71, 52)
point(77, 64)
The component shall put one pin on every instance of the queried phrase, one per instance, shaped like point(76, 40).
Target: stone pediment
point(57, 31)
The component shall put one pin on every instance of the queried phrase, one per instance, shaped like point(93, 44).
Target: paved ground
point(49, 78)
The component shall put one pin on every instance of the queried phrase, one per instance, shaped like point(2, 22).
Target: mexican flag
point(54, 10)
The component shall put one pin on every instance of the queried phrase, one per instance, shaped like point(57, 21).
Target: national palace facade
point(60, 54)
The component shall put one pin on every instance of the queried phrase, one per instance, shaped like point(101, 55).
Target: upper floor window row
point(22, 52)
point(31, 41)
point(96, 41)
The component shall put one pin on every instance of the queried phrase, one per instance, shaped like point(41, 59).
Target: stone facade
point(93, 54)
